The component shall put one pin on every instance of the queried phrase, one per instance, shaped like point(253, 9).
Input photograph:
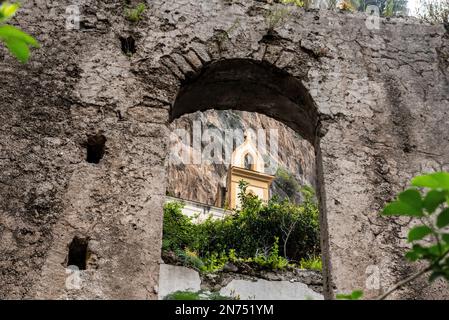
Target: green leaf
point(438, 180)
point(9, 32)
point(8, 10)
point(341, 296)
point(357, 294)
point(435, 275)
point(446, 237)
point(19, 49)
point(416, 252)
point(411, 197)
point(354, 295)
point(17, 42)
point(433, 199)
point(412, 255)
point(419, 232)
point(400, 209)
point(409, 203)
point(443, 218)
point(434, 252)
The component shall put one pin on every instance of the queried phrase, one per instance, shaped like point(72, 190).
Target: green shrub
point(256, 225)
point(312, 263)
point(287, 182)
point(15, 40)
point(269, 235)
point(190, 259)
point(276, 17)
point(214, 261)
point(354, 295)
point(298, 3)
point(273, 260)
point(198, 295)
point(183, 295)
point(135, 14)
point(178, 229)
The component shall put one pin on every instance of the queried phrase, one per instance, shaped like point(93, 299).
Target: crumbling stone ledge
point(217, 280)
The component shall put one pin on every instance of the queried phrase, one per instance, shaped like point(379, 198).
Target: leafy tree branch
point(17, 41)
point(427, 203)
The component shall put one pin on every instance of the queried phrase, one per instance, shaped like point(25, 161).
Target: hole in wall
point(78, 252)
point(95, 148)
point(128, 45)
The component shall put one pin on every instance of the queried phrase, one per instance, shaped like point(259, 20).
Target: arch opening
point(258, 87)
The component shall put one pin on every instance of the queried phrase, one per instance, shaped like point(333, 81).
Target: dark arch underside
point(253, 86)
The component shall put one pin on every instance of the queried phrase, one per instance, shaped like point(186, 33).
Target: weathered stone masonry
point(374, 102)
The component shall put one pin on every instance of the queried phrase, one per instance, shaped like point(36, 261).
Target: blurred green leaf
point(433, 199)
point(409, 203)
point(419, 232)
point(416, 252)
point(10, 32)
point(19, 49)
point(435, 275)
point(438, 180)
point(412, 197)
point(443, 218)
point(357, 294)
point(17, 42)
point(8, 10)
point(412, 255)
point(446, 237)
point(354, 295)
point(434, 251)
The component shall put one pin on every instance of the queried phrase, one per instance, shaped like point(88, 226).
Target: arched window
point(248, 162)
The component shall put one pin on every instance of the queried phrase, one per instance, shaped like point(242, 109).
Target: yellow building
point(247, 164)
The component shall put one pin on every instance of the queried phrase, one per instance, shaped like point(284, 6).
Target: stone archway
point(258, 86)
point(373, 90)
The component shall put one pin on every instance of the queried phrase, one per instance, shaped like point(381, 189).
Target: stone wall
point(265, 285)
point(376, 99)
point(198, 211)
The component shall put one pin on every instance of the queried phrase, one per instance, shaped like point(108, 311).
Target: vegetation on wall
point(134, 14)
point(434, 11)
point(17, 41)
point(276, 17)
point(286, 182)
point(386, 7)
point(269, 236)
point(285, 185)
point(346, 6)
point(196, 295)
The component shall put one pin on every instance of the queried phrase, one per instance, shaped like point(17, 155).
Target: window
point(248, 162)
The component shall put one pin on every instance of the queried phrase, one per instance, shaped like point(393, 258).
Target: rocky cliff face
point(200, 182)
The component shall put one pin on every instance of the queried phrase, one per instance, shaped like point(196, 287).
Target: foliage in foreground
point(198, 295)
point(271, 236)
point(426, 202)
point(17, 41)
point(354, 295)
